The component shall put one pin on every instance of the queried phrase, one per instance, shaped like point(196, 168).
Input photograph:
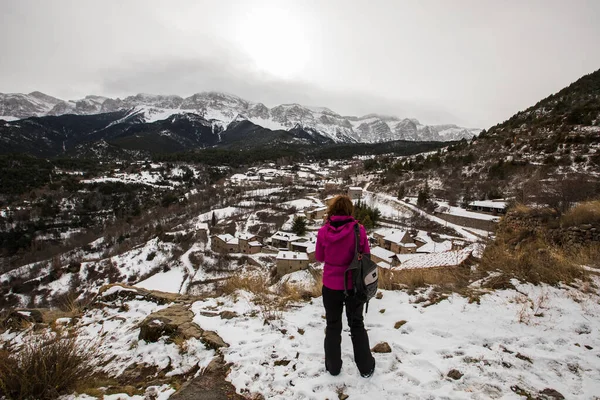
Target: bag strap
point(356, 255)
point(356, 240)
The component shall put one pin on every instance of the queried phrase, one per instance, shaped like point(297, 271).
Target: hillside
point(548, 153)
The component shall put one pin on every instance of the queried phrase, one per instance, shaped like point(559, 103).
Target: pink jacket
point(335, 247)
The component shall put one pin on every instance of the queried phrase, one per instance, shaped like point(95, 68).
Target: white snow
point(481, 341)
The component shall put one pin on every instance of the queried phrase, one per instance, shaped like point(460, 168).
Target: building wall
point(281, 244)
point(354, 194)
point(378, 259)
point(254, 250)
point(244, 248)
point(289, 266)
point(407, 250)
point(489, 226)
point(218, 245)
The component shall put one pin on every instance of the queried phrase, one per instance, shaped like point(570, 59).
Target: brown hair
point(341, 205)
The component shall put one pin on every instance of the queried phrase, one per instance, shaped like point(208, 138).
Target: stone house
point(284, 240)
point(250, 244)
point(316, 213)
point(395, 240)
point(305, 247)
point(225, 243)
point(379, 254)
point(291, 261)
point(355, 193)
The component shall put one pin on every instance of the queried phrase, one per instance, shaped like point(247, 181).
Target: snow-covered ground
point(535, 338)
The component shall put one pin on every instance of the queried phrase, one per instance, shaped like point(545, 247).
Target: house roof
point(234, 241)
point(255, 244)
point(422, 238)
point(446, 259)
point(226, 237)
point(383, 232)
point(382, 253)
point(405, 257)
point(286, 237)
point(434, 247)
point(395, 236)
point(409, 245)
point(355, 188)
point(500, 205)
point(384, 265)
point(292, 255)
point(246, 236)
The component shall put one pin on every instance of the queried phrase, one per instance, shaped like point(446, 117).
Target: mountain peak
point(223, 108)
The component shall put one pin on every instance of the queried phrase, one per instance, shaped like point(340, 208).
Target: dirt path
point(208, 386)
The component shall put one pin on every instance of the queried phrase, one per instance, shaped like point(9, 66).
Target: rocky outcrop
point(545, 223)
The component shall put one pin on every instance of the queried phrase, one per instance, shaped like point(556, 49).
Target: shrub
point(45, 368)
point(531, 260)
point(584, 213)
point(255, 284)
point(447, 278)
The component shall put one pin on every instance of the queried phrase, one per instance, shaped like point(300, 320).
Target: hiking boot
point(370, 373)
point(331, 371)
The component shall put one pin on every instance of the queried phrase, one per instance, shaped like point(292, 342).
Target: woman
point(335, 247)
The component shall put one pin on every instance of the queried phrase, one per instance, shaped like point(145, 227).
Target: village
point(395, 248)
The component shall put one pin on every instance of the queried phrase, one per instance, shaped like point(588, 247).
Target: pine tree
point(299, 226)
point(213, 220)
point(401, 192)
point(423, 197)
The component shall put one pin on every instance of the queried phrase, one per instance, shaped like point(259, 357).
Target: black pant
point(334, 300)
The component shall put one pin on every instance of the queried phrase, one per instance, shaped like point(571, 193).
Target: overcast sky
point(473, 63)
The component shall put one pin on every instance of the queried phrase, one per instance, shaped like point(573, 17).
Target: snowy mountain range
point(223, 109)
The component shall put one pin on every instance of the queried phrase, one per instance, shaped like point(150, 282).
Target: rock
point(152, 329)
point(171, 321)
point(382, 347)
point(212, 340)
point(455, 374)
point(190, 330)
point(18, 319)
point(550, 394)
point(215, 364)
point(524, 358)
point(379, 296)
point(134, 293)
point(283, 362)
point(399, 324)
point(228, 314)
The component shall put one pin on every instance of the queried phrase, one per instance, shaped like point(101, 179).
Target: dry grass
point(290, 292)
point(45, 368)
point(584, 213)
point(254, 283)
point(521, 209)
point(532, 260)
point(444, 278)
point(586, 255)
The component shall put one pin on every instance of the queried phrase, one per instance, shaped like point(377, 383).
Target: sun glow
point(275, 40)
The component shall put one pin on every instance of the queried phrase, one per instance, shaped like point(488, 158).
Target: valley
point(168, 251)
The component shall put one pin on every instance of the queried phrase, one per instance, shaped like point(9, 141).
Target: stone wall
point(546, 223)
